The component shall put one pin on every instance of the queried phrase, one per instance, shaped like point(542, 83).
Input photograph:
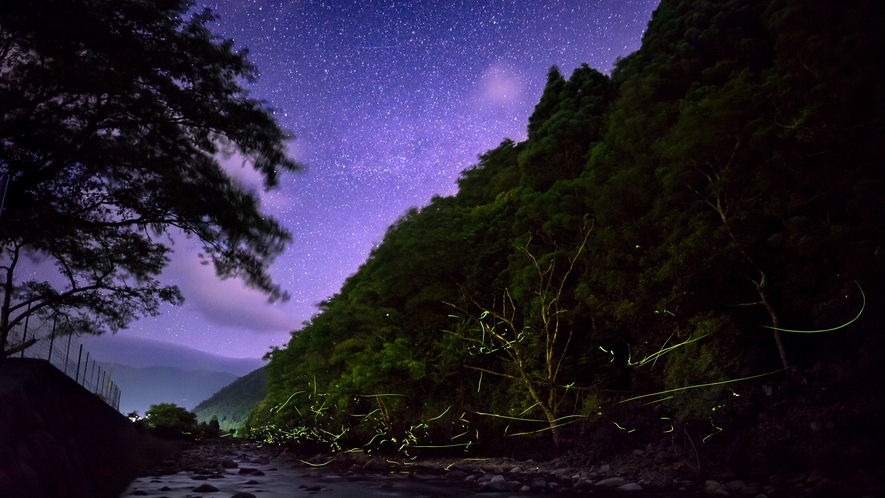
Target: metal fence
point(68, 355)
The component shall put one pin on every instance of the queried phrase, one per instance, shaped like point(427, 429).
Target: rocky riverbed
point(246, 470)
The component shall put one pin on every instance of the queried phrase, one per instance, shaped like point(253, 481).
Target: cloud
point(500, 84)
point(240, 169)
point(138, 352)
point(227, 302)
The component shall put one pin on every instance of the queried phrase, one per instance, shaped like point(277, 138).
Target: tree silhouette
point(112, 117)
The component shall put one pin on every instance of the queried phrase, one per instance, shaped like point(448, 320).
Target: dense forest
point(230, 406)
point(689, 246)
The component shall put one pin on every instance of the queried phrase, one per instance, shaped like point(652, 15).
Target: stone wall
point(58, 439)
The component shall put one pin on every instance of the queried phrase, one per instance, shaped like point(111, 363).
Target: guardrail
point(67, 355)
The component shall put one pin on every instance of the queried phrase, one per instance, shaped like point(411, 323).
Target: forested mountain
point(230, 406)
point(691, 244)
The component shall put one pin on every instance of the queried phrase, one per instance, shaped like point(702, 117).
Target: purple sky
point(389, 101)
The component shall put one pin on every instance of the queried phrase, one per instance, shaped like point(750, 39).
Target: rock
point(498, 484)
point(246, 470)
point(735, 485)
point(715, 488)
point(674, 452)
point(582, 484)
point(205, 488)
point(611, 482)
point(538, 485)
point(639, 453)
point(605, 469)
point(242, 494)
point(524, 489)
point(630, 486)
point(139, 492)
point(516, 470)
point(658, 479)
point(253, 481)
point(815, 476)
point(229, 464)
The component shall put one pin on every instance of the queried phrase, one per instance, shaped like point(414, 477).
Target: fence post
point(52, 338)
point(68, 353)
point(79, 357)
point(92, 377)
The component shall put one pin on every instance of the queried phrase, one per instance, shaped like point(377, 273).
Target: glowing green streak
point(317, 464)
point(439, 445)
point(668, 431)
point(862, 306)
point(379, 395)
point(280, 407)
point(529, 408)
point(699, 385)
point(719, 429)
point(657, 401)
point(541, 430)
point(663, 351)
point(459, 435)
point(527, 419)
point(441, 414)
point(479, 385)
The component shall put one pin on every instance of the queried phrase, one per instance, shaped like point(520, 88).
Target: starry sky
point(389, 101)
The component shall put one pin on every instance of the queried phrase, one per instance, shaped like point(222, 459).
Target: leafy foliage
point(230, 406)
point(114, 116)
point(170, 421)
point(731, 172)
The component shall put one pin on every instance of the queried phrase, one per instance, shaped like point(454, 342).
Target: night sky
point(389, 101)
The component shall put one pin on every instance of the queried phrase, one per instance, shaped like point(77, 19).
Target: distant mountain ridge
point(142, 387)
point(232, 404)
point(138, 352)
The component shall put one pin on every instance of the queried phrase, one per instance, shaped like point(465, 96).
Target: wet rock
point(538, 485)
point(735, 485)
point(205, 488)
point(242, 494)
point(229, 464)
point(715, 488)
point(583, 484)
point(630, 486)
point(611, 482)
point(246, 470)
point(495, 484)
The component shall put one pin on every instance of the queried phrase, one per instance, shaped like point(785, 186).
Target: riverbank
point(244, 469)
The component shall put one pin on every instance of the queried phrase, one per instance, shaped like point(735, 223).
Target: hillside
point(142, 387)
point(684, 253)
point(232, 404)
